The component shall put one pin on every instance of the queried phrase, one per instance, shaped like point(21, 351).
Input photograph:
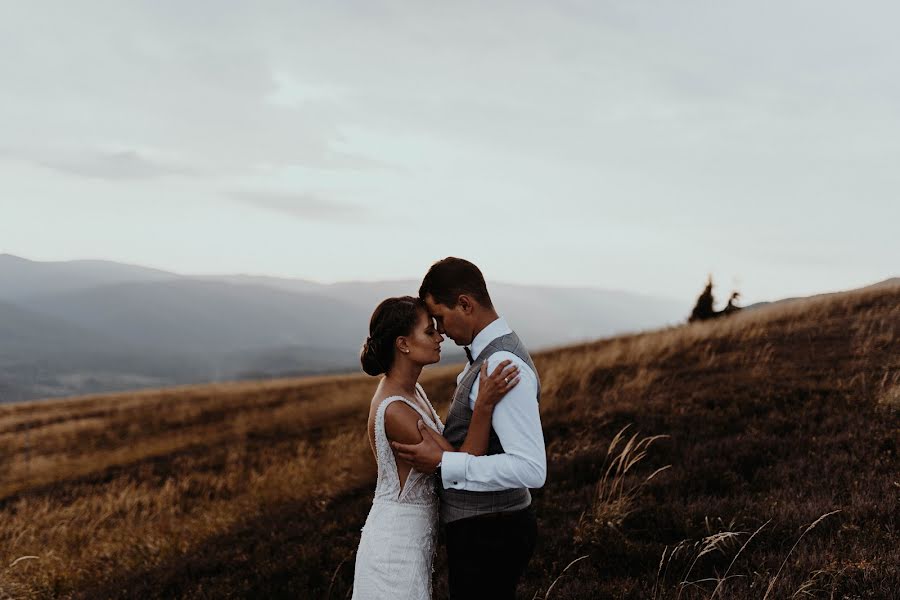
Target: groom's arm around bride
point(517, 423)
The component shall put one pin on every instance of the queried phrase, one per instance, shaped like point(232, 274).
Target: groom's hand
point(426, 455)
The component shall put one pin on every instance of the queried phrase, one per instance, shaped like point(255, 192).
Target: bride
point(394, 558)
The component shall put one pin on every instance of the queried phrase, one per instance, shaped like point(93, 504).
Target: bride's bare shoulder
point(401, 423)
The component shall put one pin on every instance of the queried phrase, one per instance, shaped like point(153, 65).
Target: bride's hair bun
point(392, 318)
point(369, 357)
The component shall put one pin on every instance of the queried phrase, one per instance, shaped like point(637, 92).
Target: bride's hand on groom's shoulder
point(426, 455)
point(492, 388)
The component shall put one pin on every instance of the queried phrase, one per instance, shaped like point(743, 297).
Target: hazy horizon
point(720, 290)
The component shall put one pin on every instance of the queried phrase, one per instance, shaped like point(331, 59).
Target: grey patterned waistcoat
point(460, 504)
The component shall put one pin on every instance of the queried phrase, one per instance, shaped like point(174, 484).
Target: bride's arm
point(400, 425)
point(491, 390)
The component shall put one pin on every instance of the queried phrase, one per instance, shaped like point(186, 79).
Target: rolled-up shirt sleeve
point(517, 422)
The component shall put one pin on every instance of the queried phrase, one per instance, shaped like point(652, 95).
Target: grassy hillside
point(775, 418)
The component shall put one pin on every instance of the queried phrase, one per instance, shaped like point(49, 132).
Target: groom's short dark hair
point(447, 279)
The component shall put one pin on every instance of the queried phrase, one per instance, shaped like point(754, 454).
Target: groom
point(485, 503)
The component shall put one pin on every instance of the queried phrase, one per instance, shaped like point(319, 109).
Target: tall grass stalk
point(733, 560)
point(805, 531)
point(614, 495)
point(708, 544)
point(716, 542)
point(552, 585)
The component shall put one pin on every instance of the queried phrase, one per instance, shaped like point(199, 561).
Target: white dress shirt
point(517, 422)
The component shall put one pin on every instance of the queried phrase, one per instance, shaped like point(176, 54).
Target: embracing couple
point(473, 470)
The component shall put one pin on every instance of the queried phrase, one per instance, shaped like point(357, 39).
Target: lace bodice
point(419, 488)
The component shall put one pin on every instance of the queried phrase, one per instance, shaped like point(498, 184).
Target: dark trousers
point(487, 554)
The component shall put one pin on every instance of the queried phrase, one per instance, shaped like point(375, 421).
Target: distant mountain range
point(91, 326)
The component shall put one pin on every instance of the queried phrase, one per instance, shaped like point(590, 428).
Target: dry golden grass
point(258, 489)
point(153, 472)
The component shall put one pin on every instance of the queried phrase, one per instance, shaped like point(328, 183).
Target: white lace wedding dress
point(396, 551)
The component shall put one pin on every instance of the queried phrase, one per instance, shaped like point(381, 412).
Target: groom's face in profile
point(452, 322)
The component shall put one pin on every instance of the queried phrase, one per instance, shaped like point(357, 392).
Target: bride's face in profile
point(424, 343)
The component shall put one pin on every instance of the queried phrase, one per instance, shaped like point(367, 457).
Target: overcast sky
point(628, 145)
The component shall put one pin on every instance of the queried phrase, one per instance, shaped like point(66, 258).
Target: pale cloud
point(304, 206)
point(114, 165)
